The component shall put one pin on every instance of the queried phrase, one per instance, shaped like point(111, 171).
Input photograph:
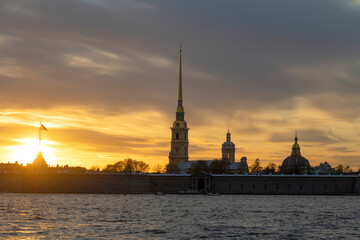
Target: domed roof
point(295, 162)
point(228, 144)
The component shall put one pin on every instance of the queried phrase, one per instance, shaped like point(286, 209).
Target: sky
point(102, 76)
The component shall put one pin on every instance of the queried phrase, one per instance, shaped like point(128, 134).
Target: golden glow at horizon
point(28, 149)
point(85, 138)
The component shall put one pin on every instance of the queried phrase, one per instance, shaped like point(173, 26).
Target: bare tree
point(256, 167)
point(158, 168)
point(127, 165)
point(95, 168)
point(270, 168)
point(343, 169)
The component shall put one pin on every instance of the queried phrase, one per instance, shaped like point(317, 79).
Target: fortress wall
point(173, 183)
point(168, 183)
point(10, 183)
point(284, 184)
point(357, 186)
point(75, 183)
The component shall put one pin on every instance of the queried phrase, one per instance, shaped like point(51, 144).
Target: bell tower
point(179, 131)
point(228, 149)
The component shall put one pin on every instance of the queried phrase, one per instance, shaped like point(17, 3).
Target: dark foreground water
point(57, 216)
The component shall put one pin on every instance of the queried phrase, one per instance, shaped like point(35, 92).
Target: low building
point(324, 168)
point(10, 167)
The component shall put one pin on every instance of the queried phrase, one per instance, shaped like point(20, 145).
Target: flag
point(42, 127)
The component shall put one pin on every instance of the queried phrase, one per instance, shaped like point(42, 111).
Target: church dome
point(228, 144)
point(295, 163)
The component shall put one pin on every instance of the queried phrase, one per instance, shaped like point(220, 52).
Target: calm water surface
point(89, 216)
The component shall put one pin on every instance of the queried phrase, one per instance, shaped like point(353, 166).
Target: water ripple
point(84, 216)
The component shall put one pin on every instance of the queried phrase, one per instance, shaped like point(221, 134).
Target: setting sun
point(26, 152)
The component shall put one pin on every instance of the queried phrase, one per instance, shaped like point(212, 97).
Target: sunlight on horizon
point(27, 152)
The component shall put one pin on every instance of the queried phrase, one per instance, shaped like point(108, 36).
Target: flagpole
point(40, 137)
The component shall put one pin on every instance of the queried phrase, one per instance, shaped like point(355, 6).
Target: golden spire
point(296, 146)
point(180, 108)
point(180, 76)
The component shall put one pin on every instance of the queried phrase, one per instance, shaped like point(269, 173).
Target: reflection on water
point(54, 216)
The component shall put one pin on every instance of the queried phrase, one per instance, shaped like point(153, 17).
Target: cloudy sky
point(102, 76)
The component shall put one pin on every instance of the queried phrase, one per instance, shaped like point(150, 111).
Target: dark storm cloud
point(119, 55)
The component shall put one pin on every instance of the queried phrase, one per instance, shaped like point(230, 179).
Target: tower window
point(176, 151)
point(185, 134)
point(177, 136)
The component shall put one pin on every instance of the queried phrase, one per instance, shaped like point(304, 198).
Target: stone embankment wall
point(286, 184)
point(75, 183)
point(175, 183)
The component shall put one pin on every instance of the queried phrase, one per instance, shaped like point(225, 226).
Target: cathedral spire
point(180, 76)
point(180, 108)
point(179, 132)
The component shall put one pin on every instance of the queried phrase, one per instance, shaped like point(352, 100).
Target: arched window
point(185, 135)
point(177, 135)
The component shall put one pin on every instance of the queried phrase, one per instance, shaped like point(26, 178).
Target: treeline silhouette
point(128, 165)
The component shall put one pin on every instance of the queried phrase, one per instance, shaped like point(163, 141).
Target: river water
point(96, 216)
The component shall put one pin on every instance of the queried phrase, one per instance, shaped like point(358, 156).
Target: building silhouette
point(179, 151)
point(39, 161)
point(295, 163)
point(228, 149)
point(179, 131)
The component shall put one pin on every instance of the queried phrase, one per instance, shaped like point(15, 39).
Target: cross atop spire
point(228, 135)
point(296, 146)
